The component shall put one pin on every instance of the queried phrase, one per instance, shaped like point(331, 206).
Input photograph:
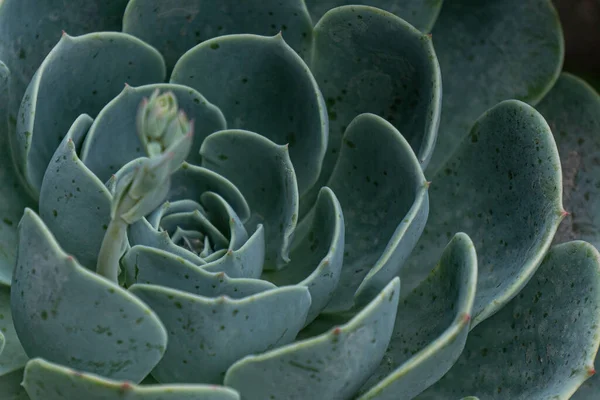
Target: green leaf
point(262, 86)
point(542, 344)
point(102, 62)
point(13, 196)
point(65, 313)
point(572, 109)
point(383, 194)
point(74, 203)
point(153, 266)
point(419, 13)
point(115, 127)
point(12, 356)
point(503, 189)
point(174, 27)
point(30, 29)
point(10, 386)
point(47, 381)
point(431, 326)
point(316, 260)
point(490, 51)
point(330, 366)
point(369, 61)
point(207, 335)
point(264, 174)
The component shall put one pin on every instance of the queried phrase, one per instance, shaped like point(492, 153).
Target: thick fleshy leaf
point(153, 266)
point(12, 356)
point(264, 174)
point(207, 335)
point(102, 62)
point(10, 386)
point(246, 262)
point(224, 218)
point(572, 109)
point(191, 181)
point(13, 195)
point(30, 29)
point(419, 13)
point(144, 234)
point(263, 86)
point(503, 189)
point(74, 203)
point(316, 261)
point(113, 140)
point(542, 344)
point(368, 60)
point(431, 326)
point(490, 51)
point(331, 366)
point(176, 26)
point(47, 381)
point(195, 220)
point(65, 313)
point(383, 193)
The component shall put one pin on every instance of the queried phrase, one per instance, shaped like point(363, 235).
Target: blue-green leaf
point(383, 193)
point(264, 174)
point(115, 127)
point(316, 260)
point(262, 86)
point(419, 13)
point(431, 326)
point(207, 335)
point(65, 313)
point(74, 203)
point(102, 62)
point(369, 61)
point(542, 344)
point(503, 189)
point(330, 366)
point(48, 381)
point(176, 26)
point(490, 51)
point(12, 356)
point(13, 195)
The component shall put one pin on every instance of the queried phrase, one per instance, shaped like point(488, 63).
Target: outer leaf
point(502, 188)
point(13, 196)
point(207, 335)
point(323, 247)
point(572, 109)
point(368, 60)
point(330, 366)
point(47, 381)
point(419, 13)
point(30, 29)
point(262, 86)
point(542, 344)
point(175, 26)
point(153, 266)
point(383, 194)
point(12, 356)
point(264, 174)
point(102, 62)
point(490, 51)
point(10, 386)
point(65, 313)
point(431, 326)
point(115, 127)
point(74, 203)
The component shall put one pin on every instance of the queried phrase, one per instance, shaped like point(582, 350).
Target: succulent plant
point(267, 211)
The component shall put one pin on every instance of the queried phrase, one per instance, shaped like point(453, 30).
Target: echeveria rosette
point(269, 262)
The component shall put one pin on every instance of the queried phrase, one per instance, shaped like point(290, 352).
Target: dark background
point(581, 24)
